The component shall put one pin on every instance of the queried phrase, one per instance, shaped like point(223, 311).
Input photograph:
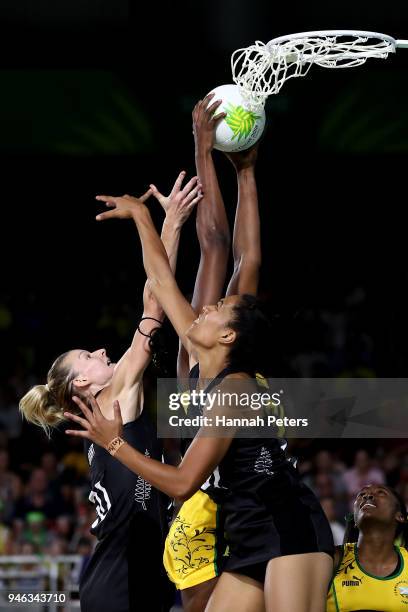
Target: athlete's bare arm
point(204, 454)
point(129, 370)
point(156, 263)
point(211, 223)
point(246, 246)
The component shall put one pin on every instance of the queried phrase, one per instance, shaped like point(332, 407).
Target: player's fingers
point(111, 214)
point(178, 182)
point(106, 198)
point(145, 196)
point(73, 417)
point(217, 118)
point(116, 411)
point(208, 99)
point(156, 193)
point(211, 109)
point(193, 193)
point(195, 201)
point(189, 186)
point(95, 406)
point(77, 433)
point(81, 404)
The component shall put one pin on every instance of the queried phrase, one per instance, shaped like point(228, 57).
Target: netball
point(242, 127)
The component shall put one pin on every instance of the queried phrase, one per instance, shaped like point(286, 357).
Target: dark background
point(97, 98)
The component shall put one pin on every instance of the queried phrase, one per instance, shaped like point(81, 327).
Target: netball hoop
point(261, 69)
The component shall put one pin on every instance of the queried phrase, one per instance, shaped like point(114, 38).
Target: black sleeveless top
point(248, 461)
point(117, 492)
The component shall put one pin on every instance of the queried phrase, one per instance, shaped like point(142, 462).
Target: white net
point(261, 69)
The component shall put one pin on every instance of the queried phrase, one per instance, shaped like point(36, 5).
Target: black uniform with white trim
point(126, 568)
point(268, 512)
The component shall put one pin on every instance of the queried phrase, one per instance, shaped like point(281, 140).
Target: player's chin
point(368, 513)
point(190, 333)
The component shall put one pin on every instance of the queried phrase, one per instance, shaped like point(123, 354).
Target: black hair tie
point(157, 344)
point(149, 335)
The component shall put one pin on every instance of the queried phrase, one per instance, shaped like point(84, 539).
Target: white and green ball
point(242, 127)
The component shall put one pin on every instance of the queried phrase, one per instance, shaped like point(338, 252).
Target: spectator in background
point(35, 578)
point(10, 486)
point(49, 464)
point(404, 468)
point(9, 416)
point(16, 537)
point(75, 460)
point(58, 546)
point(85, 516)
point(59, 482)
point(323, 485)
point(362, 473)
point(326, 479)
point(36, 532)
point(4, 533)
point(85, 549)
point(4, 438)
point(337, 528)
point(39, 497)
point(391, 465)
point(404, 493)
point(63, 528)
point(67, 496)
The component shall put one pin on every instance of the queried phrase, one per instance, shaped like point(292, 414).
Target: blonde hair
point(44, 405)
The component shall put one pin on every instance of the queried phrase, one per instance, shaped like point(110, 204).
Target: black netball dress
point(125, 572)
point(268, 512)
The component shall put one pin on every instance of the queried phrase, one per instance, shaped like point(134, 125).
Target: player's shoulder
point(238, 375)
point(403, 551)
point(239, 381)
point(339, 553)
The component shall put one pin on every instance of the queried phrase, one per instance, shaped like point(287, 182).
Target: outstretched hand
point(123, 207)
point(205, 122)
point(95, 426)
point(181, 201)
point(244, 159)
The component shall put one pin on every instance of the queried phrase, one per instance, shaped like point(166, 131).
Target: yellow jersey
point(354, 590)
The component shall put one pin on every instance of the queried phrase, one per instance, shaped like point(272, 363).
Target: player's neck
point(212, 362)
point(377, 544)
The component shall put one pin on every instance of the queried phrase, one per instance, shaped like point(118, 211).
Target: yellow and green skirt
point(195, 547)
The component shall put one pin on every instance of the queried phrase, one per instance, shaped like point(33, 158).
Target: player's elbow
point(183, 496)
point(184, 490)
point(157, 285)
point(249, 263)
point(151, 306)
point(214, 238)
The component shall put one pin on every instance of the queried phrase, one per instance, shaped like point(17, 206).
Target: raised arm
point(177, 206)
point(155, 260)
point(211, 222)
point(246, 245)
